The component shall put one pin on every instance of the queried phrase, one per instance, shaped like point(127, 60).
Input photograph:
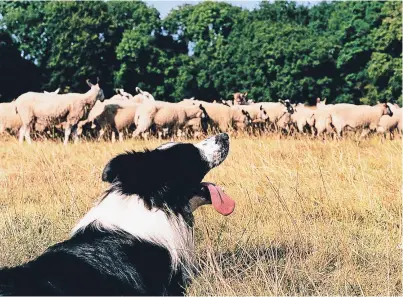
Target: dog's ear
point(119, 167)
point(111, 170)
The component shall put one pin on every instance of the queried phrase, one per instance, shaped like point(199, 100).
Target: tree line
point(344, 51)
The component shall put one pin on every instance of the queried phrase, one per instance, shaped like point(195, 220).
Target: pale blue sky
point(165, 6)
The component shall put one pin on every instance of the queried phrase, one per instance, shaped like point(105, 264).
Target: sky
point(165, 6)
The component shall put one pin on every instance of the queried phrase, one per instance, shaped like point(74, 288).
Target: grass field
point(312, 217)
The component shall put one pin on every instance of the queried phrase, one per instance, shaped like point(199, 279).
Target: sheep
point(186, 117)
point(240, 118)
point(165, 115)
point(67, 108)
point(120, 95)
point(220, 116)
point(9, 118)
point(52, 93)
point(283, 123)
point(197, 127)
point(227, 102)
point(276, 111)
point(256, 113)
point(142, 96)
point(239, 98)
point(301, 116)
point(321, 121)
point(190, 101)
point(98, 109)
point(358, 116)
point(117, 117)
point(223, 117)
point(391, 123)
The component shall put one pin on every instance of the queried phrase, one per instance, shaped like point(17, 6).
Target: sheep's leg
point(101, 134)
point(22, 134)
point(145, 135)
point(392, 135)
point(75, 137)
point(120, 136)
point(115, 133)
point(27, 134)
point(67, 133)
point(113, 137)
point(364, 133)
point(75, 134)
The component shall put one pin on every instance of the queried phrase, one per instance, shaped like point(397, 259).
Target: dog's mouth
point(212, 194)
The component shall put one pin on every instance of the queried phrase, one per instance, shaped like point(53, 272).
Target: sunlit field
point(312, 217)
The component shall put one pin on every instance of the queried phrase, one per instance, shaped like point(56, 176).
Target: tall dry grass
point(312, 217)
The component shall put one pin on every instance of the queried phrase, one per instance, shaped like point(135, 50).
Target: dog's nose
point(224, 136)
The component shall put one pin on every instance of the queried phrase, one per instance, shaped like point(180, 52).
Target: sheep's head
point(203, 113)
point(263, 113)
point(204, 118)
point(247, 118)
point(288, 106)
point(224, 102)
point(146, 95)
point(244, 97)
point(100, 92)
point(386, 110)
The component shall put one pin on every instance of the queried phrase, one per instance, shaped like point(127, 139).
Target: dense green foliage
point(345, 51)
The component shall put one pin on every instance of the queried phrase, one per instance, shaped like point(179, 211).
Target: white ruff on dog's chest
point(118, 212)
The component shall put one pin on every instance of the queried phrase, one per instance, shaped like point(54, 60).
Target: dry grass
point(312, 218)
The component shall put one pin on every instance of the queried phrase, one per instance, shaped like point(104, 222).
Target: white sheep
point(9, 119)
point(301, 116)
point(54, 92)
point(240, 118)
point(358, 117)
point(142, 96)
point(55, 109)
point(116, 117)
point(171, 116)
point(391, 123)
point(274, 111)
point(239, 98)
point(321, 121)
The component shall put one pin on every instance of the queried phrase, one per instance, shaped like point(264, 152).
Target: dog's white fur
point(211, 151)
point(118, 212)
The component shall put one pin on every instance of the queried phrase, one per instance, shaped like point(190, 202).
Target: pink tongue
point(221, 201)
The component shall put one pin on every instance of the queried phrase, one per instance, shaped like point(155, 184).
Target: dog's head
point(169, 177)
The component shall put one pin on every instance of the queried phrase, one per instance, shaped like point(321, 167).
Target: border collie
point(138, 239)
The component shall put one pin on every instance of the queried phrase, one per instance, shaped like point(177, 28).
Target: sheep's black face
point(169, 175)
point(248, 119)
point(290, 108)
point(389, 112)
point(101, 96)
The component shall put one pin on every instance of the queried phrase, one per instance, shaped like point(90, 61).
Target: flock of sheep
point(141, 115)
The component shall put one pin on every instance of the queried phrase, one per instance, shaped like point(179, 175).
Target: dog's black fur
point(161, 177)
point(96, 261)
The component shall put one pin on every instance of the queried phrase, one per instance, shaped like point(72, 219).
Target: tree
point(385, 65)
point(351, 24)
point(17, 75)
point(345, 51)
